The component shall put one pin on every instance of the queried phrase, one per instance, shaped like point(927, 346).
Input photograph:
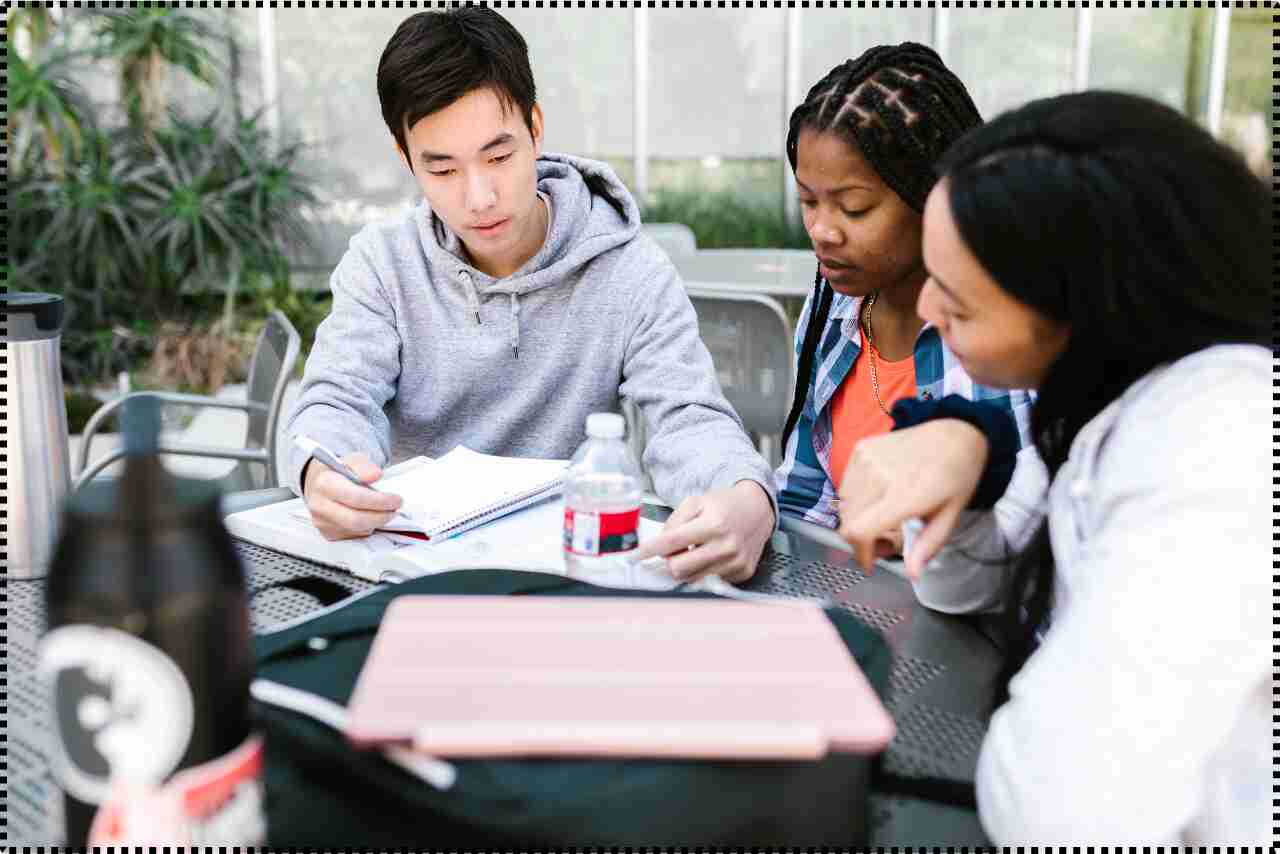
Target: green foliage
point(129, 226)
point(229, 199)
point(726, 219)
point(305, 307)
point(80, 408)
point(137, 224)
point(34, 21)
point(86, 222)
point(147, 43)
point(48, 112)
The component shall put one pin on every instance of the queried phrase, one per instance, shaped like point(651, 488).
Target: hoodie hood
point(591, 211)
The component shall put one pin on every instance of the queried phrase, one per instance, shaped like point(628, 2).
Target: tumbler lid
point(27, 316)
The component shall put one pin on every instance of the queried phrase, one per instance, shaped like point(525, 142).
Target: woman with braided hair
point(862, 147)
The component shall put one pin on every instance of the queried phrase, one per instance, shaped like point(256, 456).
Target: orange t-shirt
point(854, 411)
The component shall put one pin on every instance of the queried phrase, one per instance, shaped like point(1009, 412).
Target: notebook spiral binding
point(465, 522)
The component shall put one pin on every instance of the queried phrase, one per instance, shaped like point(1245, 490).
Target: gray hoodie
point(423, 352)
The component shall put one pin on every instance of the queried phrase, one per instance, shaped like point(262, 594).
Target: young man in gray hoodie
point(519, 298)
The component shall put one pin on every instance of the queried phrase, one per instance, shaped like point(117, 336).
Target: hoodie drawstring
point(473, 301)
point(473, 297)
point(515, 325)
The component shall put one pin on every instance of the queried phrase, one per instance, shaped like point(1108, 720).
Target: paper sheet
point(287, 527)
point(530, 539)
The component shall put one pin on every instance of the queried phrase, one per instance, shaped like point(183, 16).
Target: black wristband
point(994, 422)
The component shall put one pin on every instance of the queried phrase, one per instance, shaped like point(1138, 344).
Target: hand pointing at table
point(927, 472)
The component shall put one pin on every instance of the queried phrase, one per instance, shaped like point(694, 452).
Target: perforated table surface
point(940, 683)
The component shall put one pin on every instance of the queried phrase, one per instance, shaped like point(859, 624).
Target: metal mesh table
point(940, 683)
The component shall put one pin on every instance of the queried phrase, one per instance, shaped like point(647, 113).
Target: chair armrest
point(101, 414)
point(216, 452)
point(248, 499)
point(210, 451)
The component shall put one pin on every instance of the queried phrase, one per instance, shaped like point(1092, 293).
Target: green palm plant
point(199, 230)
point(150, 221)
point(147, 43)
point(48, 112)
point(35, 22)
point(78, 232)
point(28, 264)
point(279, 190)
point(230, 203)
point(87, 224)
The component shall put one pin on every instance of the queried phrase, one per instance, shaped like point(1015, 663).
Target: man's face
point(475, 161)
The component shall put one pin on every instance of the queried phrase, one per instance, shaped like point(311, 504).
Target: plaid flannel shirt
point(805, 483)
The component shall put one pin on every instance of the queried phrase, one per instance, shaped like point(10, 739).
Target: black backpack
point(321, 791)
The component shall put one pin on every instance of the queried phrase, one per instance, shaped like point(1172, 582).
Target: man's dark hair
point(435, 58)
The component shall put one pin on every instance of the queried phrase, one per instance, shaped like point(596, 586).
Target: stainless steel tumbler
point(35, 420)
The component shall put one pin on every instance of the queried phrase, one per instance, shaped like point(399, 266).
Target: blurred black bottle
point(148, 655)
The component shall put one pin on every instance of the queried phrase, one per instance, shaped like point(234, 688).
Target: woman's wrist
point(994, 424)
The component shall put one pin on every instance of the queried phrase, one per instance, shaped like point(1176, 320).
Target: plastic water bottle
point(602, 501)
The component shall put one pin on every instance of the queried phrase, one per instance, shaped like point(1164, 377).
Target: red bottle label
point(217, 802)
point(592, 534)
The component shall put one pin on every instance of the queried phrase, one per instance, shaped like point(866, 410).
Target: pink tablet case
point(473, 676)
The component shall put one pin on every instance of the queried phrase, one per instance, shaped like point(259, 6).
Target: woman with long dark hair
point(1106, 251)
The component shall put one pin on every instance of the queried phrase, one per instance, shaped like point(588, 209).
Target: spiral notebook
point(443, 498)
point(464, 488)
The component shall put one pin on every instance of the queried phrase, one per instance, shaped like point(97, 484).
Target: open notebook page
point(464, 481)
point(442, 493)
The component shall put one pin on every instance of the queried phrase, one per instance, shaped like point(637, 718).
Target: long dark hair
point(1123, 219)
point(901, 107)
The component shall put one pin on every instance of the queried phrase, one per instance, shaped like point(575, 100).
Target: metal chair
point(270, 368)
point(676, 238)
point(749, 338)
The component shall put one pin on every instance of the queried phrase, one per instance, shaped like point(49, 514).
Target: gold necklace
point(871, 356)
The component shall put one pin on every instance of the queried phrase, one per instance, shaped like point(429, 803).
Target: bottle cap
point(605, 425)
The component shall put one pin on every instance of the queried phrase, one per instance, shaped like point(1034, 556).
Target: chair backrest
point(675, 238)
point(774, 271)
point(749, 337)
point(272, 365)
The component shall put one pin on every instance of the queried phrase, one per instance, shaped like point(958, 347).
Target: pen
point(326, 456)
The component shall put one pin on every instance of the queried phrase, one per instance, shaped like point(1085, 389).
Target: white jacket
point(1143, 717)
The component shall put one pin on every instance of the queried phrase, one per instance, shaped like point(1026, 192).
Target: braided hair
point(902, 108)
